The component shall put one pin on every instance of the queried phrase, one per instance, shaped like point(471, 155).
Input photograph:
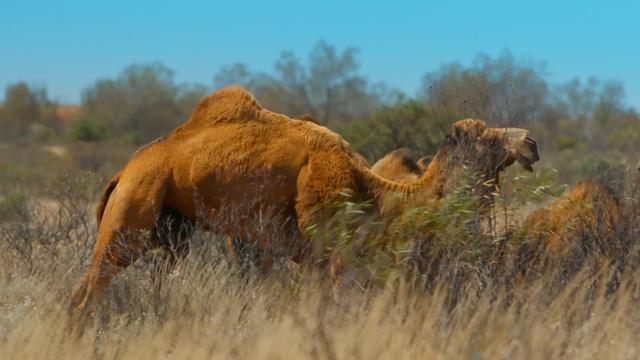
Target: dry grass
point(210, 313)
point(202, 309)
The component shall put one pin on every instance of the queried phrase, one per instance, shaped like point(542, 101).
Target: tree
point(142, 103)
point(84, 130)
point(499, 90)
point(406, 124)
point(236, 74)
point(188, 98)
point(23, 108)
point(329, 86)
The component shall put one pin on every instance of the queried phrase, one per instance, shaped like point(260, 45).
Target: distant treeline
point(583, 124)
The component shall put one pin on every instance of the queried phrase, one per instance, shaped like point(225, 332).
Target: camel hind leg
point(125, 231)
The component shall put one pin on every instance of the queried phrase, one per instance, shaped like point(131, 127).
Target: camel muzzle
point(521, 147)
point(528, 154)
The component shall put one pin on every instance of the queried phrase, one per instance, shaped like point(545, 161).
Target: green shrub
point(87, 130)
point(13, 205)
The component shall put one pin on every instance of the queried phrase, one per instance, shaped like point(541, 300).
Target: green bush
point(406, 124)
point(13, 205)
point(87, 130)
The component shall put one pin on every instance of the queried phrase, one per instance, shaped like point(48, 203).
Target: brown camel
point(583, 220)
point(232, 150)
point(400, 166)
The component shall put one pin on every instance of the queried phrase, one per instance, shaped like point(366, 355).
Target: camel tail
point(104, 199)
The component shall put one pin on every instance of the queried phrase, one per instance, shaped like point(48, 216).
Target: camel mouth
point(533, 147)
point(526, 164)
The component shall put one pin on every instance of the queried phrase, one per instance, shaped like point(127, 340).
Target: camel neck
point(390, 195)
point(436, 176)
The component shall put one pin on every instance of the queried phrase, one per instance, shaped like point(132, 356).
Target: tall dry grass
point(466, 305)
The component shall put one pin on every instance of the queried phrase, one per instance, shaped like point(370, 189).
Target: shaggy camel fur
point(583, 220)
point(307, 117)
point(399, 165)
point(231, 150)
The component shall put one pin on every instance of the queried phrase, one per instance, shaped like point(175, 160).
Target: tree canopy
point(574, 122)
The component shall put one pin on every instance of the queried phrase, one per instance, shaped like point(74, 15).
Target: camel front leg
point(308, 214)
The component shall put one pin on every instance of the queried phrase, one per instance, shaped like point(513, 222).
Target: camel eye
point(449, 140)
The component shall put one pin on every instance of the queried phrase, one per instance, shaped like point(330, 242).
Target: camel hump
point(406, 158)
point(401, 152)
point(596, 189)
point(308, 117)
point(232, 103)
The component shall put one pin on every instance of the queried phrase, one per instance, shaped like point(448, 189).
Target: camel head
point(493, 149)
point(486, 151)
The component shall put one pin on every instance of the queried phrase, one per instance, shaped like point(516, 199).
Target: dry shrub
point(202, 308)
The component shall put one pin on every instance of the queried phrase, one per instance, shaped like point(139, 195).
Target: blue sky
point(66, 45)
